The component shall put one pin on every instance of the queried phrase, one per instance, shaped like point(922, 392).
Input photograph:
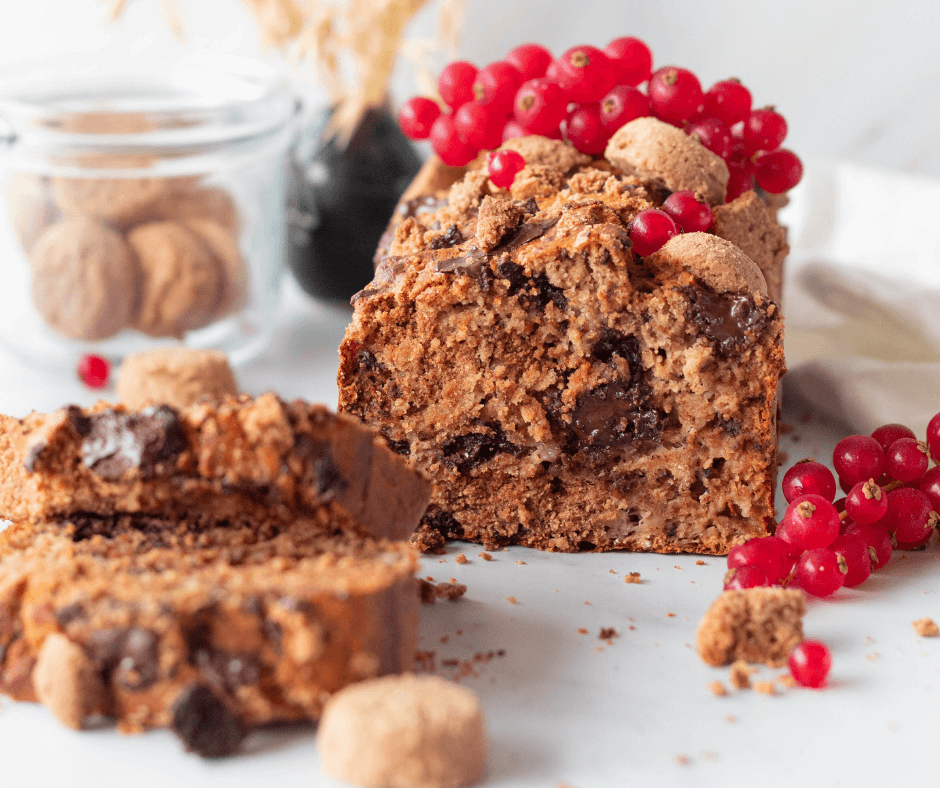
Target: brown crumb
point(425, 661)
point(765, 687)
point(670, 615)
point(430, 593)
point(786, 680)
point(582, 631)
point(486, 556)
point(612, 571)
point(700, 562)
point(511, 600)
point(717, 689)
point(429, 579)
point(731, 719)
point(520, 563)
point(785, 428)
point(460, 559)
point(632, 577)
point(683, 760)
point(607, 633)
point(926, 628)
point(872, 656)
point(740, 675)
point(445, 638)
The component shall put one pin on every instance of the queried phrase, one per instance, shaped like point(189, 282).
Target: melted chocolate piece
point(612, 342)
point(443, 523)
point(466, 452)
point(475, 264)
point(387, 271)
point(118, 441)
point(451, 237)
point(226, 669)
point(615, 416)
point(130, 653)
point(418, 205)
point(725, 318)
point(320, 471)
point(730, 427)
point(204, 723)
point(399, 447)
point(530, 207)
point(525, 233)
point(535, 291)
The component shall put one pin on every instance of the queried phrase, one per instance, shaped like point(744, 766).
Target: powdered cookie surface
point(651, 148)
point(85, 279)
point(756, 625)
point(713, 261)
point(177, 376)
point(181, 279)
point(403, 732)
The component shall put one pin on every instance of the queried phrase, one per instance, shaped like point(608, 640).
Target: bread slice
point(261, 459)
point(208, 630)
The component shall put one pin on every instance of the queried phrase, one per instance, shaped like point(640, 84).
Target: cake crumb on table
point(740, 675)
point(717, 689)
point(872, 656)
point(512, 600)
point(460, 559)
point(683, 760)
point(486, 556)
point(520, 563)
point(926, 628)
point(430, 592)
point(632, 577)
point(765, 687)
point(786, 680)
point(700, 562)
point(731, 719)
point(607, 633)
point(582, 631)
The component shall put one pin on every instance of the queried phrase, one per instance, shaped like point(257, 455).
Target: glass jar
point(142, 204)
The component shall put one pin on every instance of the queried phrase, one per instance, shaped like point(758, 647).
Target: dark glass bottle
point(340, 202)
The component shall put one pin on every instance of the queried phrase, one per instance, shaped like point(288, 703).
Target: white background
point(858, 82)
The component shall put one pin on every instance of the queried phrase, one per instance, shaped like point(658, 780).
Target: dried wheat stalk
point(352, 43)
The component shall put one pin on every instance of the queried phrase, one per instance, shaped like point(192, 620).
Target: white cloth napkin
point(862, 296)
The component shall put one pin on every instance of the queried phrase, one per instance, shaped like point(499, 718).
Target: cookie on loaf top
point(561, 390)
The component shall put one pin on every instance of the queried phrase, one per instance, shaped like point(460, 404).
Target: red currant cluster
point(822, 544)
point(586, 95)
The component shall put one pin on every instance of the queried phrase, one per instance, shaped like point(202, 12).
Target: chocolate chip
point(118, 441)
point(443, 523)
point(130, 653)
point(615, 343)
point(450, 237)
point(730, 427)
point(533, 291)
point(320, 470)
point(726, 319)
point(615, 416)
point(466, 452)
point(399, 447)
point(525, 233)
point(205, 724)
point(475, 264)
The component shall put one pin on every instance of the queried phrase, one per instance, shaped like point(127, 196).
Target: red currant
point(448, 144)
point(768, 553)
point(889, 433)
point(514, 129)
point(878, 541)
point(675, 94)
point(906, 460)
point(531, 60)
point(416, 117)
point(540, 106)
point(741, 178)
point(930, 486)
point(503, 165)
point(94, 371)
point(933, 437)
point(858, 458)
point(650, 229)
point(714, 135)
point(810, 663)
point(812, 522)
point(820, 572)
point(621, 105)
point(745, 577)
point(585, 74)
point(585, 131)
point(729, 101)
point(764, 129)
point(809, 477)
point(778, 171)
point(496, 86)
point(692, 215)
point(854, 551)
point(908, 516)
point(866, 503)
point(631, 59)
point(455, 83)
point(478, 126)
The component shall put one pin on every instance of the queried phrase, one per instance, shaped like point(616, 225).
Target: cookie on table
point(177, 376)
point(85, 280)
point(404, 732)
point(181, 279)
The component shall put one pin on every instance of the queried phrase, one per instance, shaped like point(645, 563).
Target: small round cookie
point(29, 207)
point(85, 279)
point(715, 262)
point(221, 241)
point(181, 279)
point(198, 202)
point(177, 376)
point(403, 732)
point(66, 681)
point(650, 148)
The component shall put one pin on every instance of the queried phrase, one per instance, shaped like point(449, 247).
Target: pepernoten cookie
point(233, 289)
point(177, 376)
point(181, 279)
point(29, 206)
point(85, 279)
